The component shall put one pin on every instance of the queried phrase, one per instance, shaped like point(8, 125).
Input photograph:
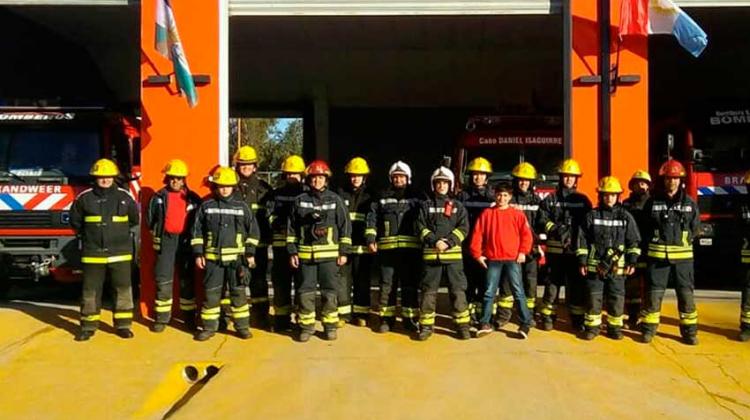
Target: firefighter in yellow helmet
point(225, 232)
point(104, 218)
point(608, 246)
point(476, 197)
point(170, 215)
point(640, 192)
point(524, 199)
point(256, 192)
point(279, 207)
point(560, 215)
point(356, 273)
point(744, 217)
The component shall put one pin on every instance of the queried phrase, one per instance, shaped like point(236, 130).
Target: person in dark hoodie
point(640, 189)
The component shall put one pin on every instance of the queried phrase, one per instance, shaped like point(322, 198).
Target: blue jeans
point(494, 274)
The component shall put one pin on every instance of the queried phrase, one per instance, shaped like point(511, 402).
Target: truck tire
point(5, 284)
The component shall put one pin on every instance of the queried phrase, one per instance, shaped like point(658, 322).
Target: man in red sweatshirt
point(500, 242)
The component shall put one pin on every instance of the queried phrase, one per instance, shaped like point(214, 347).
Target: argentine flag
point(643, 17)
point(169, 45)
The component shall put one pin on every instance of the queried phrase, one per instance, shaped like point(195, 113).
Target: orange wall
point(170, 129)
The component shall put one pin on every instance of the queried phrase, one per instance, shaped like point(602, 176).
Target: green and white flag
point(169, 45)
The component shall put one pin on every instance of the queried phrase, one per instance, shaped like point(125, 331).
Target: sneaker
point(484, 329)
point(744, 335)
point(523, 331)
point(158, 327)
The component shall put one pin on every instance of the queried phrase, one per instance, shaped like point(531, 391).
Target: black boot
point(244, 333)
point(648, 331)
point(386, 324)
point(84, 335)
point(360, 320)
point(158, 327)
point(330, 332)
point(125, 333)
point(547, 323)
point(689, 334)
point(590, 334)
point(576, 322)
point(204, 335)
point(744, 334)
point(410, 324)
point(305, 334)
point(260, 315)
point(282, 323)
point(463, 332)
point(189, 320)
point(425, 333)
point(614, 333)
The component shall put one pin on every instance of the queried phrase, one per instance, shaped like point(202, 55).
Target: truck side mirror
point(446, 161)
point(670, 144)
point(697, 155)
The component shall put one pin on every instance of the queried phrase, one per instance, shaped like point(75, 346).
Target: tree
point(272, 145)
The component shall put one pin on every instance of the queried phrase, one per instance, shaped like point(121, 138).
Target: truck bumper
point(29, 258)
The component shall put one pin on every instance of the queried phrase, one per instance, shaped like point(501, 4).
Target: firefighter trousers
point(659, 273)
point(564, 271)
point(174, 254)
point(259, 284)
point(529, 273)
point(217, 275)
point(431, 277)
point(325, 275)
point(94, 277)
point(476, 281)
point(284, 278)
point(399, 267)
point(745, 309)
point(354, 277)
point(634, 290)
point(607, 292)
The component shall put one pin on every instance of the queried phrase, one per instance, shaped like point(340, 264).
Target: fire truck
point(714, 144)
point(45, 157)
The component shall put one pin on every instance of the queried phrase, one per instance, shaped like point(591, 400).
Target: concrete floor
point(45, 374)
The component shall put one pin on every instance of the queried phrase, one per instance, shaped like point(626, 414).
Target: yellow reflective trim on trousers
point(123, 315)
point(409, 312)
point(357, 217)
point(615, 321)
point(345, 240)
point(196, 241)
point(671, 255)
point(163, 302)
point(505, 302)
point(163, 309)
point(634, 250)
point(252, 241)
point(580, 252)
point(216, 310)
point(225, 301)
point(460, 235)
point(282, 310)
point(344, 310)
point(242, 308)
point(90, 318)
point(531, 303)
point(592, 320)
point(427, 318)
point(106, 260)
point(651, 318)
point(387, 311)
point(371, 231)
point(92, 219)
point(188, 306)
point(462, 317)
point(306, 319)
point(330, 318)
point(242, 314)
point(210, 317)
point(548, 310)
point(689, 318)
point(120, 219)
point(745, 317)
point(361, 309)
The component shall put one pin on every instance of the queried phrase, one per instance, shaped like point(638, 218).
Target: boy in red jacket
point(500, 241)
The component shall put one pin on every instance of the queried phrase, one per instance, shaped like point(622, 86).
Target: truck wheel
point(5, 285)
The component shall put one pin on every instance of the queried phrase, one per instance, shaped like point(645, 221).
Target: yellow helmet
point(524, 170)
point(246, 154)
point(570, 167)
point(609, 184)
point(176, 167)
point(294, 164)
point(747, 177)
point(641, 175)
point(104, 168)
point(357, 166)
point(224, 176)
point(480, 164)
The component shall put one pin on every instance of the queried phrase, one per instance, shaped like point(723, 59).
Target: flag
point(662, 17)
point(169, 45)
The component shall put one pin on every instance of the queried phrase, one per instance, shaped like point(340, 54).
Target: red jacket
point(500, 235)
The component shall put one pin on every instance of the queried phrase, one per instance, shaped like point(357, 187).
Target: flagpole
point(605, 89)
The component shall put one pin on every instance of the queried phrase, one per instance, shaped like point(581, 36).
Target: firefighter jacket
point(319, 228)
point(157, 212)
point(391, 220)
point(635, 205)
point(255, 193)
point(744, 217)
point(608, 240)
point(279, 207)
point(224, 230)
point(475, 200)
point(673, 223)
point(560, 215)
point(103, 219)
point(358, 203)
point(442, 218)
point(528, 202)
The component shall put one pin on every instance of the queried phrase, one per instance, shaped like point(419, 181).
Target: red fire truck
point(45, 157)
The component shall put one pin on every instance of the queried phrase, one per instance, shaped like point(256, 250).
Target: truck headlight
point(706, 230)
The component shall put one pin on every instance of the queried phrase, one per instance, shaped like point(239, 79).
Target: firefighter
point(476, 197)
point(356, 272)
point(104, 218)
point(170, 216)
point(673, 221)
point(443, 224)
point(524, 199)
point(640, 189)
point(744, 216)
point(561, 213)
point(224, 233)
point(318, 240)
point(280, 204)
point(390, 233)
point(608, 249)
point(255, 193)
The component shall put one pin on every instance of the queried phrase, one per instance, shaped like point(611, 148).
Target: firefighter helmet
point(639, 175)
point(245, 155)
point(672, 169)
point(480, 164)
point(176, 168)
point(570, 167)
point(400, 168)
point(104, 168)
point(747, 177)
point(293, 164)
point(224, 176)
point(524, 170)
point(442, 174)
point(357, 166)
point(318, 167)
point(609, 184)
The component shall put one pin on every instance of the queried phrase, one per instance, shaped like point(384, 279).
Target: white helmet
point(442, 173)
point(400, 168)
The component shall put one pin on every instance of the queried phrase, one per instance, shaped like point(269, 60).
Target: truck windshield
point(504, 158)
point(723, 152)
point(48, 152)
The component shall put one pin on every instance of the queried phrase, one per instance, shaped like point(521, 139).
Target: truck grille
point(26, 219)
point(26, 243)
